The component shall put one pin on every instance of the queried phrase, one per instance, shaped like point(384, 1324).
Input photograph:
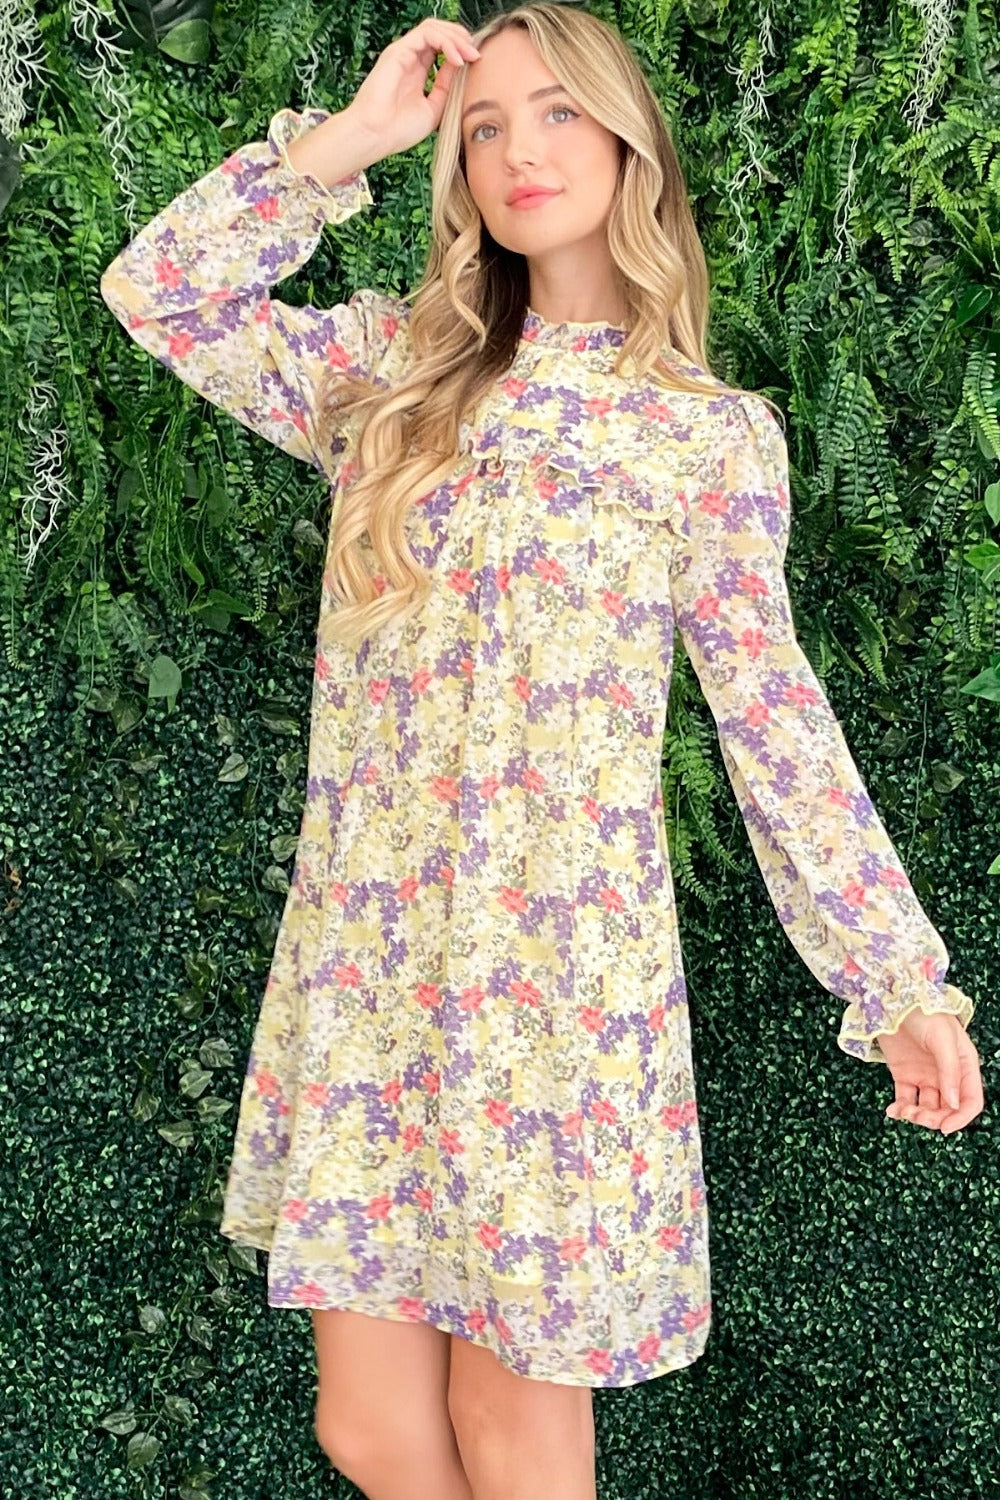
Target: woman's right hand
point(391, 107)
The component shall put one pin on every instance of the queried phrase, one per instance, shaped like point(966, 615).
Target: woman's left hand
point(933, 1060)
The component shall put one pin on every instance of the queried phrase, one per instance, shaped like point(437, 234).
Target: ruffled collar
point(579, 337)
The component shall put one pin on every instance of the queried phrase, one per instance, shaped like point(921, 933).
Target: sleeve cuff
point(864, 1019)
point(346, 196)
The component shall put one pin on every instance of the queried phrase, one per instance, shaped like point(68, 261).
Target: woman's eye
point(556, 109)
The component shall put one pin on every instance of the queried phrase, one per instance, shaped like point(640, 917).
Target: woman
point(468, 1134)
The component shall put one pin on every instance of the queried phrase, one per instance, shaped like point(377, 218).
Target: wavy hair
point(469, 308)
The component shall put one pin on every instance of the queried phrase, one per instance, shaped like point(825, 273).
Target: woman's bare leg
point(520, 1439)
point(382, 1406)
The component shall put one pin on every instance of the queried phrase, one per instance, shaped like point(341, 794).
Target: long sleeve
point(833, 875)
point(192, 289)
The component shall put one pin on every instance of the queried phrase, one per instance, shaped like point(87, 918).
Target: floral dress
point(470, 1097)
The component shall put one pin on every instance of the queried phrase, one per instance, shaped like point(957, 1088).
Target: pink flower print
point(706, 607)
point(714, 502)
point(377, 690)
point(389, 323)
point(268, 208)
point(488, 787)
point(603, 1112)
point(572, 1125)
point(421, 679)
point(592, 809)
point(267, 1084)
point(853, 893)
point(648, 1349)
point(533, 780)
point(639, 1164)
point(573, 1249)
point(753, 585)
point(322, 666)
point(757, 713)
point(755, 641)
point(592, 1018)
point(522, 687)
point(526, 993)
point(612, 602)
point(450, 1143)
point(612, 899)
point(412, 1307)
point(348, 976)
point(444, 788)
point(801, 695)
point(338, 893)
point(407, 889)
point(295, 1209)
point(475, 1320)
point(413, 1140)
point(503, 1330)
point(497, 1111)
point(503, 578)
point(179, 345)
point(423, 1197)
point(167, 274)
point(897, 880)
point(471, 998)
point(513, 899)
point(432, 1081)
point(428, 996)
point(489, 1236)
point(462, 580)
point(233, 165)
point(620, 694)
point(550, 570)
point(656, 1017)
point(673, 1116)
point(599, 1360)
point(696, 1316)
point(669, 1237)
point(310, 1294)
point(514, 386)
point(392, 1093)
point(598, 406)
point(316, 1094)
point(379, 1208)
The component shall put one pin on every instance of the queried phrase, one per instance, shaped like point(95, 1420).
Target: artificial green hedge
point(845, 172)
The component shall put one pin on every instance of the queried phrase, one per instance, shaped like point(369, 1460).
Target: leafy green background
point(160, 577)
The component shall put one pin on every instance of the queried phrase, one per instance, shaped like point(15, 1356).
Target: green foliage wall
point(160, 583)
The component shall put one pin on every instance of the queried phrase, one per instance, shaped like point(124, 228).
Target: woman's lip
point(530, 200)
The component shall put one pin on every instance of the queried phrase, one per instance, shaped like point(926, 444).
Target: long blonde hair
point(469, 308)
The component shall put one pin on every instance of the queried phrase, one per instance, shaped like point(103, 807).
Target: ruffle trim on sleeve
point(864, 1019)
point(344, 197)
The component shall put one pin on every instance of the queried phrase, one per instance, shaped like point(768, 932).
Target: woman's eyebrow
point(555, 88)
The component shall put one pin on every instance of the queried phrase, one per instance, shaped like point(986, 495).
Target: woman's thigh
point(511, 1430)
point(383, 1385)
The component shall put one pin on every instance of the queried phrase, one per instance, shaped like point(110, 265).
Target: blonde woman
point(468, 1135)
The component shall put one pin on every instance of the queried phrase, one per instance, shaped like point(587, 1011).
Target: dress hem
point(555, 1377)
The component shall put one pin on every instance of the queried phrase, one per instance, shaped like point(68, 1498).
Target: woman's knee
point(501, 1419)
point(382, 1388)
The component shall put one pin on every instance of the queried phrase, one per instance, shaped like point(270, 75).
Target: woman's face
point(550, 142)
